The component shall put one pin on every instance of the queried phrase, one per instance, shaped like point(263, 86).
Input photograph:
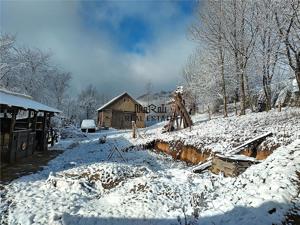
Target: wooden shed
point(24, 126)
point(120, 112)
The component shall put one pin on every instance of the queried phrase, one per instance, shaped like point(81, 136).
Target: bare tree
point(287, 17)
point(33, 70)
point(267, 46)
point(59, 85)
point(88, 99)
point(203, 84)
point(240, 34)
point(8, 61)
point(209, 29)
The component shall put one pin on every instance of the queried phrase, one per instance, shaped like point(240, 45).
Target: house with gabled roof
point(119, 113)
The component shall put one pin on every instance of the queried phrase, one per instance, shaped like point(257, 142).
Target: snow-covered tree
point(8, 63)
point(88, 101)
point(245, 40)
point(203, 81)
point(267, 47)
point(287, 17)
point(240, 34)
point(59, 85)
point(31, 71)
point(209, 30)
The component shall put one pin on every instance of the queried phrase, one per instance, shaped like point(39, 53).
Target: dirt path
point(26, 166)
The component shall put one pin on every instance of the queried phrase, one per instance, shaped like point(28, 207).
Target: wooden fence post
point(279, 108)
point(133, 130)
point(235, 107)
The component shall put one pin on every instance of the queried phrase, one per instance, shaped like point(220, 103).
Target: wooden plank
point(12, 157)
point(238, 148)
point(202, 166)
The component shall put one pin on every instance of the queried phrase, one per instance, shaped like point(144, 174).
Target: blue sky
point(115, 45)
point(134, 28)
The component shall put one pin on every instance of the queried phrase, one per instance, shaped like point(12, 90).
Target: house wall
point(140, 121)
point(104, 118)
point(116, 115)
point(124, 104)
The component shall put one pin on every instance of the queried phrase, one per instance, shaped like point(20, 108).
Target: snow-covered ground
point(83, 186)
point(223, 134)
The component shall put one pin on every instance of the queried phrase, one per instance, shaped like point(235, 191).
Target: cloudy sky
point(115, 45)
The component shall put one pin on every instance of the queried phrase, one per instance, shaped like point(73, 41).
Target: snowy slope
point(223, 134)
point(82, 186)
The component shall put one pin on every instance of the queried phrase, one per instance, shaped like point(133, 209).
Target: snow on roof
point(23, 101)
point(86, 124)
point(114, 99)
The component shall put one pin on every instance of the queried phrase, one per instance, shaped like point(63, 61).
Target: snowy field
point(82, 186)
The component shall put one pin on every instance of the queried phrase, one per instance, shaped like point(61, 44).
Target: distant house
point(24, 126)
point(120, 112)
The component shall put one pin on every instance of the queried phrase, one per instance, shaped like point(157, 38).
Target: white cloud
point(92, 55)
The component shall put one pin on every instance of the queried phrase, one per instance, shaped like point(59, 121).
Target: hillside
point(85, 186)
point(155, 98)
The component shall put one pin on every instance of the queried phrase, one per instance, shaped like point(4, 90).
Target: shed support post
point(29, 120)
point(44, 135)
point(34, 121)
point(29, 124)
point(12, 152)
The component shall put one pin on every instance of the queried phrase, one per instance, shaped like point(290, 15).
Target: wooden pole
point(12, 156)
point(34, 121)
point(209, 114)
point(279, 108)
point(29, 125)
point(235, 108)
point(44, 134)
point(29, 120)
point(133, 130)
point(34, 129)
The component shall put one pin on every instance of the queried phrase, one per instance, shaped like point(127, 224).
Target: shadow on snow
point(267, 213)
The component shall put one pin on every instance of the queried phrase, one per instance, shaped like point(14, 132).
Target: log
point(256, 140)
point(203, 166)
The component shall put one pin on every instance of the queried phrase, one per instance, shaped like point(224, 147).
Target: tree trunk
point(225, 102)
point(248, 96)
point(243, 96)
point(223, 82)
point(297, 75)
point(267, 92)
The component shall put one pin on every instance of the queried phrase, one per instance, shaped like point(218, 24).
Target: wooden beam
point(12, 156)
point(256, 140)
point(34, 121)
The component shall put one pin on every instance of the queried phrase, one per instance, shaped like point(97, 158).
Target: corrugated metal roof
point(23, 101)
